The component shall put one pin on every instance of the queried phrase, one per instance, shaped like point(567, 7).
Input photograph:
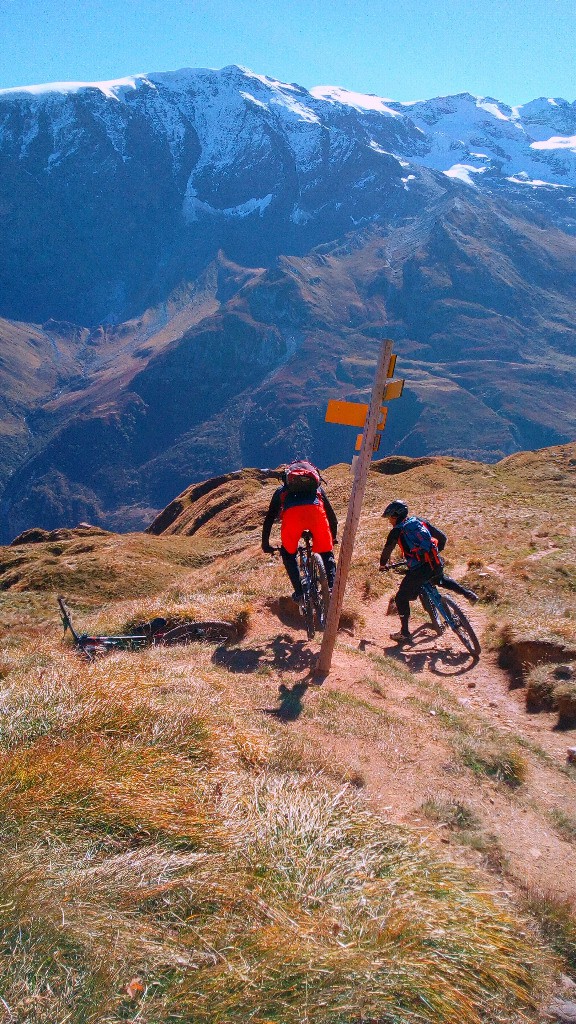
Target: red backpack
point(302, 477)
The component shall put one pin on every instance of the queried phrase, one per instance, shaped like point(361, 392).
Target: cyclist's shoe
point(297, 597)
point(401, 637)
point(471, 596)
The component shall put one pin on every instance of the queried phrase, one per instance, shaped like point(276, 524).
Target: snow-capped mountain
point(115, 186)
point(192, 263)
point(481, 141)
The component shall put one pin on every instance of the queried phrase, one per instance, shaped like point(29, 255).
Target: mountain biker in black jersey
point(420, 543)
point(302, 504)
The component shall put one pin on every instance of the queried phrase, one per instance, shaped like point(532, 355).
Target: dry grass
point(170, 854)
point(148, 835)
point(557, 918)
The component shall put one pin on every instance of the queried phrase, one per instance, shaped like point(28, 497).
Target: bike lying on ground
point(443, 611)
point(149, 634)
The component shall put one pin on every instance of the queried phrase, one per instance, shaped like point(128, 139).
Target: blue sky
point(514, 50)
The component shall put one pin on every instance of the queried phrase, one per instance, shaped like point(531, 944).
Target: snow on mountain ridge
point(235, 111)
point(358, 100)
point(109, 89)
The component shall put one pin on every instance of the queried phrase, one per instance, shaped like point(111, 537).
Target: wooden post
point(354, 509)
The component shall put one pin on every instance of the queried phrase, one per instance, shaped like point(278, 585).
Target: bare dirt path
point(405, 720)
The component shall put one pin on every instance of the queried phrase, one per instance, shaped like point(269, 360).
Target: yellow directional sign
point(391, 366)
point(393, 389)
point(353, 414)
point(375, 446)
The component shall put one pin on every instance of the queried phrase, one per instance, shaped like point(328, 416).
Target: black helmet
point(396, 508)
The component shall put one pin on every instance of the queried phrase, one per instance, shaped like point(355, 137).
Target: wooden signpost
point(372, 418)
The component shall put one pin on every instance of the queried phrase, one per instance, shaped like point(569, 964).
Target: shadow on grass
point(419, 655)
point(290, 706)
point(282, 653)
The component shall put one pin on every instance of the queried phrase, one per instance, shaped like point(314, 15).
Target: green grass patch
point(564, 824)
point(499, 763)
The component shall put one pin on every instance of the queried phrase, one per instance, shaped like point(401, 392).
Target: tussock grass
point(294, 753)
point(463, 821)
point(121, 699)
point(347, 715)
point(314, 912)
point(337, 935)
point(453, 813)
point(497, 761)
point(557, 918)
point(565, 824)
point(565, 699)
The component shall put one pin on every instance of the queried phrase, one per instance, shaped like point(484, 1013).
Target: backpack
point(302, 478)
point(418, 544)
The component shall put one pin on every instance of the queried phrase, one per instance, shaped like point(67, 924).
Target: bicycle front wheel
point(462, 627)
point(320, 589)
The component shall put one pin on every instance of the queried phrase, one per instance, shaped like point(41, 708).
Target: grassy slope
point(173, 854)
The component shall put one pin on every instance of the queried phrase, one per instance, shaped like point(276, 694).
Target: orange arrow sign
point(353, 414)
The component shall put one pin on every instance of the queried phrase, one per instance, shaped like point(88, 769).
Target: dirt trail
point(432, 699)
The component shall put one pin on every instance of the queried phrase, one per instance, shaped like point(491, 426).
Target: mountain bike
point(149, 634)
point(315, 589)
point(443, 612)
point(314, 583)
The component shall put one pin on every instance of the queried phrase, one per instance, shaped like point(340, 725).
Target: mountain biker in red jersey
point(302, 504)
point(420, 543)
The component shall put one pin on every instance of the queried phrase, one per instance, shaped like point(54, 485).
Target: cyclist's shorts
point(305, 517)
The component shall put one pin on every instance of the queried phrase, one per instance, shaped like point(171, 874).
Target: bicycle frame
point(435, 598)
point(92, 645)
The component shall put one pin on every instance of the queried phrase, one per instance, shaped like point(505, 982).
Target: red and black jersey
point(283, 499)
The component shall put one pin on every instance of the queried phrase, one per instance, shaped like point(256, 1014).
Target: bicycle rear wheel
point(462, 627)
point(190, 632)
point(320, 589)
point(308, 613)
point(431, 610)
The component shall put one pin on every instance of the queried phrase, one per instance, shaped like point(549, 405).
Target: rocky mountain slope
point(192, 263)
